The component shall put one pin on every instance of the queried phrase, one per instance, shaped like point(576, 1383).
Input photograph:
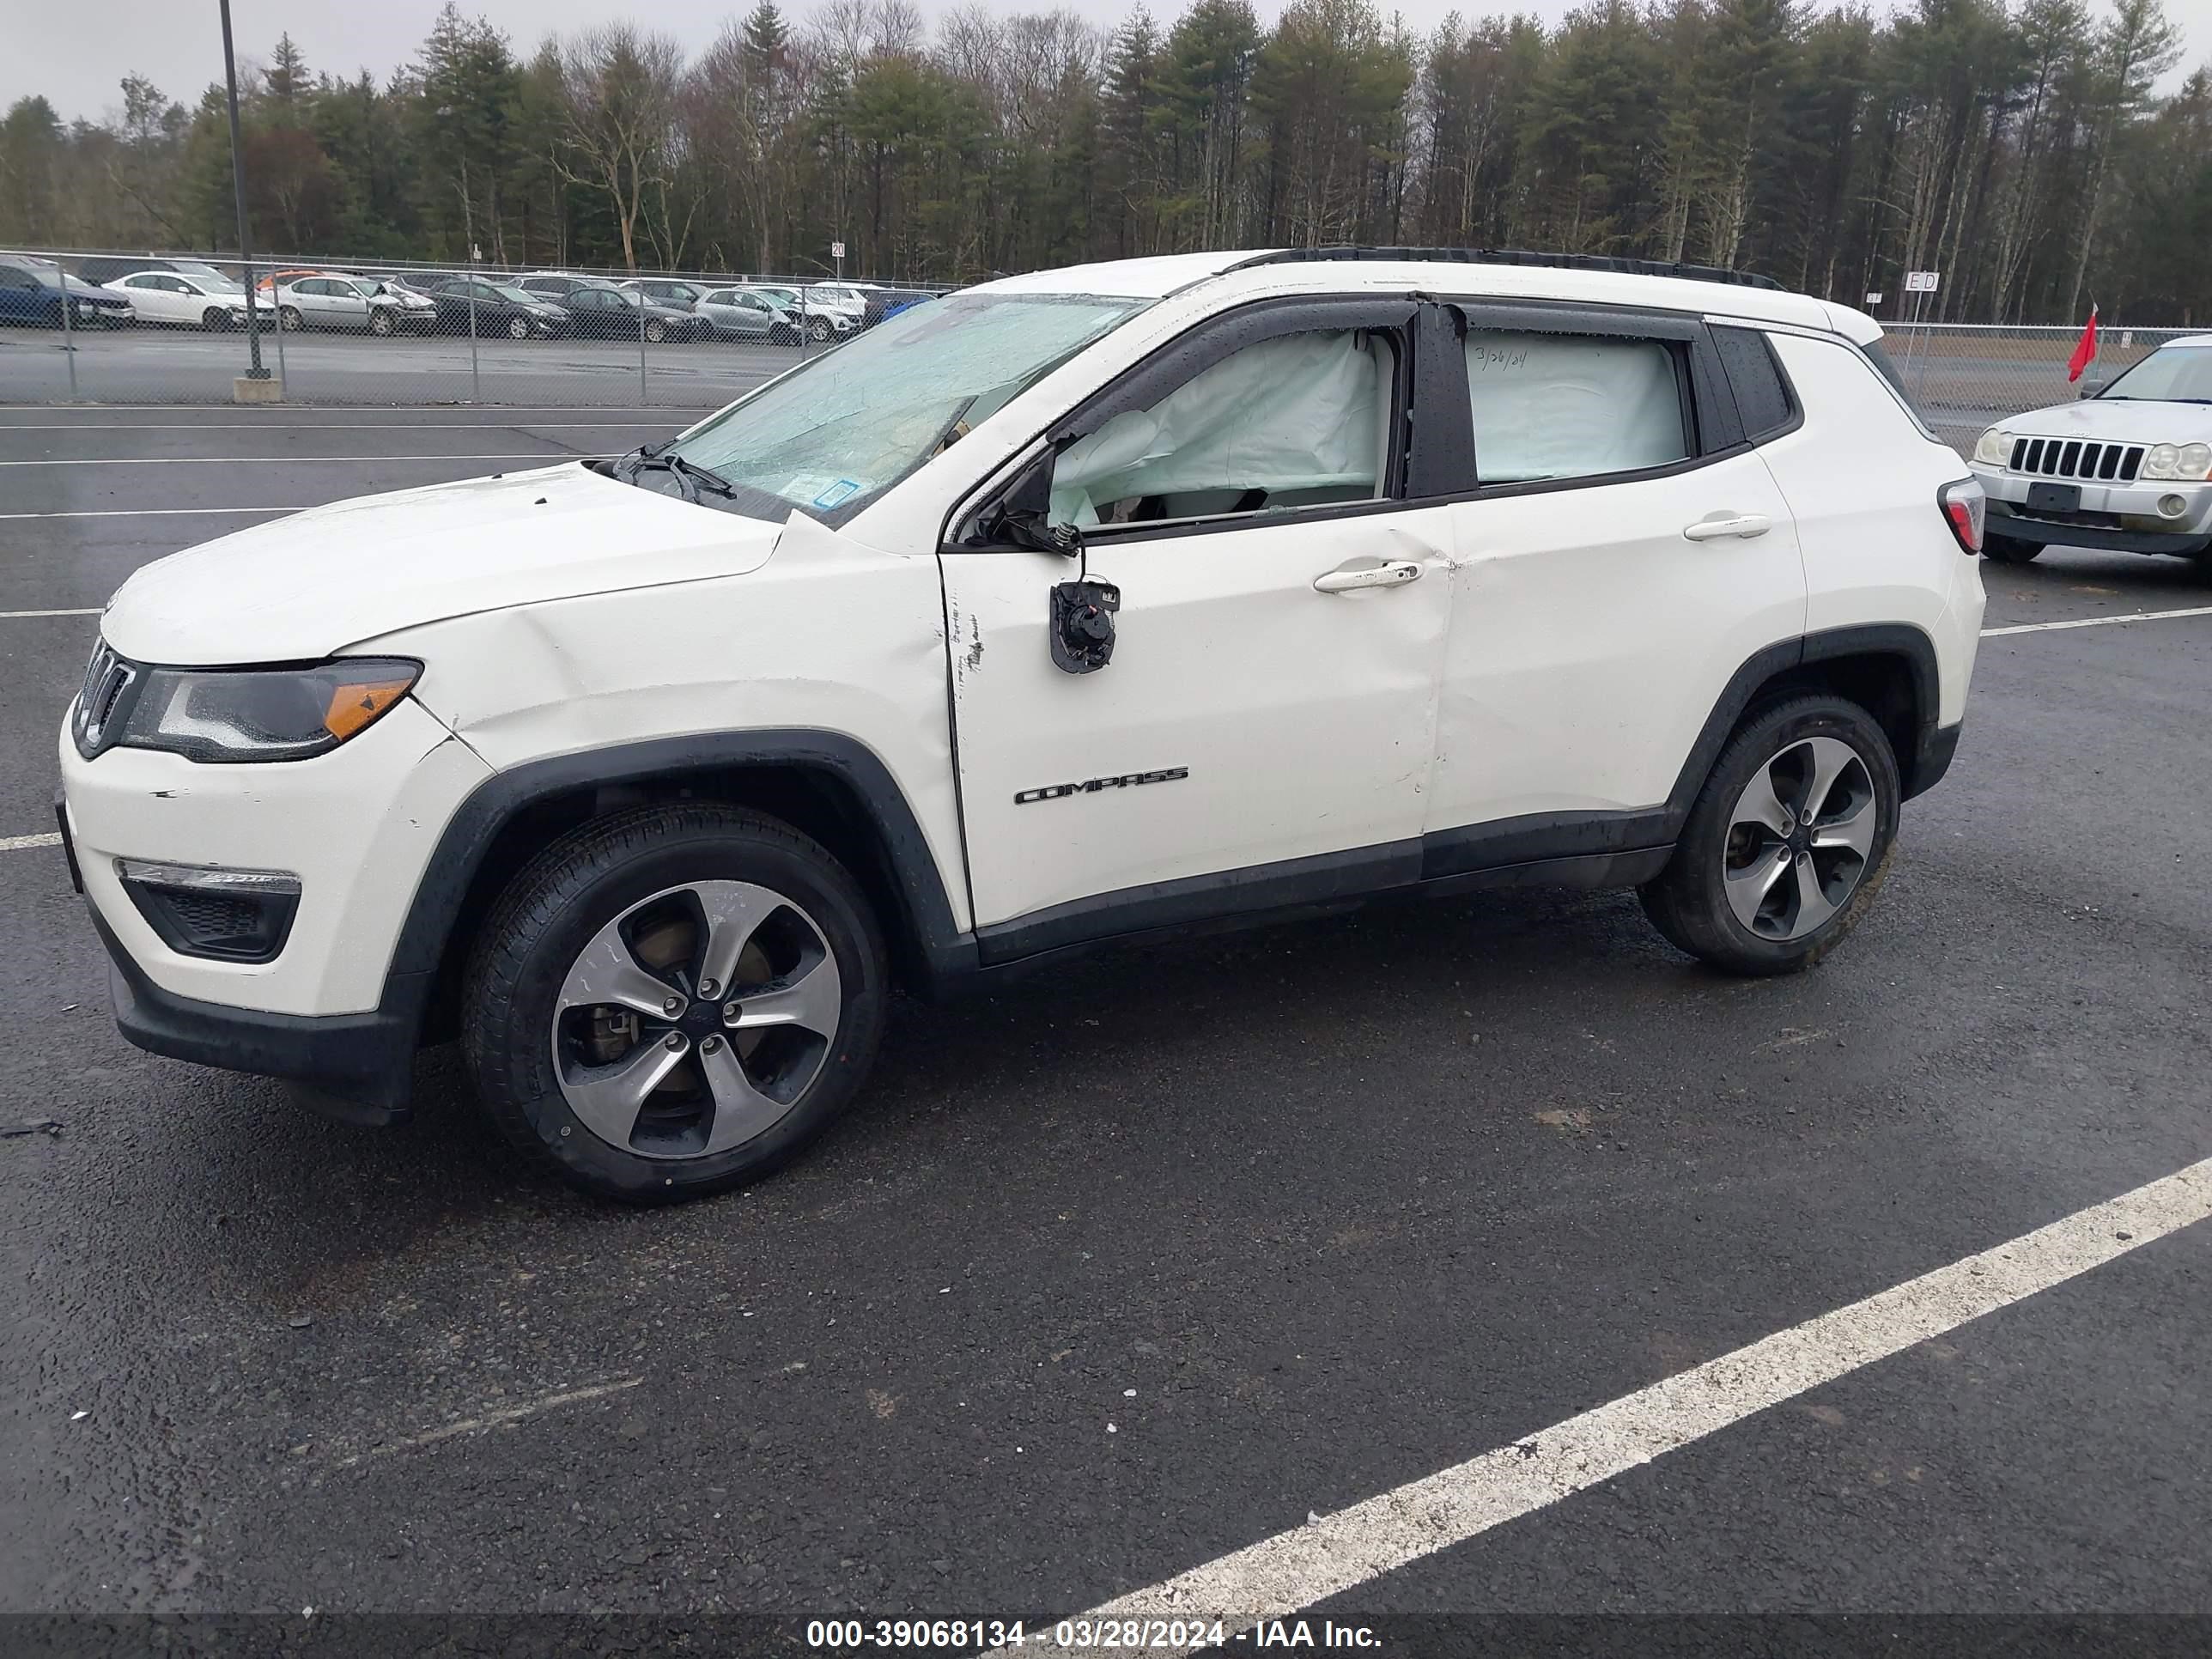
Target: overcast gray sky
point(77, 60)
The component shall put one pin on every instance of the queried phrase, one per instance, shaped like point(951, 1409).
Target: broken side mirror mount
point(1082, 625)
point(1081, 628)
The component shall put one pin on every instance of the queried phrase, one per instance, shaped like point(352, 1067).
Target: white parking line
point(2097, 622)
point(17, 615)
point(24, 843)
point(1279, 1576)
point(283, 460)
point(147, 512)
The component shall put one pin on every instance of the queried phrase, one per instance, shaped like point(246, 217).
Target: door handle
point(1714, 526)
point(1349, 578)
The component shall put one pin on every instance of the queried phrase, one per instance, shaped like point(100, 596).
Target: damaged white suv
point(1076, 607)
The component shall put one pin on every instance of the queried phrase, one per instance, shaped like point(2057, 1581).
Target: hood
point(303, 587)
point(2126, 419)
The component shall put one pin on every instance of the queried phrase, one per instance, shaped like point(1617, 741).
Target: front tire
point(380, 324)
point(821, 331)
point(518, 328)
point(2009, 549)
point(656, 332)
point(672, 1000)
point(1787, 843)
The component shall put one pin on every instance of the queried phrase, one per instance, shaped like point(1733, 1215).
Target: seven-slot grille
point(107, 678)
point(2072, 458)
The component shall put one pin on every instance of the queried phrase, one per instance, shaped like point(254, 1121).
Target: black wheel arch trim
point(1902, 641)
point(474, 828)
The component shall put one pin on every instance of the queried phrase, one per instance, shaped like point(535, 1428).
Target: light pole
point(238, 189)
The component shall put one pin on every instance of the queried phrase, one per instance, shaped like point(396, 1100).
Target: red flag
point(2086, 352)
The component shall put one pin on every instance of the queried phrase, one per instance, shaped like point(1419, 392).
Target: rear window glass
point(1762, 396)
point(1881, 359)
point(1551, 406)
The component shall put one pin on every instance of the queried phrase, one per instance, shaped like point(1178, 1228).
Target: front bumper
point(2121, 517)
point(355, 1068)
point(355, 826)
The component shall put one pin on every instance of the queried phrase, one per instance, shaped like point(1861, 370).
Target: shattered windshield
point(849, 425)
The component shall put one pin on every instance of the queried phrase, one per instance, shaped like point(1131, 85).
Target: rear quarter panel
point(1862, 478)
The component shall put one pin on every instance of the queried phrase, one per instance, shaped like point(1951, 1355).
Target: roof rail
point(1511, 256)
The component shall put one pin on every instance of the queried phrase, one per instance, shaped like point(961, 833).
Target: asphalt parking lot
point(1122, 1271)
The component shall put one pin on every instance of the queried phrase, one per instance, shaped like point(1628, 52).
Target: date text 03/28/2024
point(1167, 1635)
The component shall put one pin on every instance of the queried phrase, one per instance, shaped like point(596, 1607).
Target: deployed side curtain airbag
point(1564, 406)
point(1294, 413)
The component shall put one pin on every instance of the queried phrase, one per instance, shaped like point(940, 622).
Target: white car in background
point(335, 300)
point(183, 299)
point(823, 323)
point(839, 299)
point(2125, 469)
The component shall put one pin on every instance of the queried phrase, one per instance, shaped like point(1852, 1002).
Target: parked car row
point(118, 291)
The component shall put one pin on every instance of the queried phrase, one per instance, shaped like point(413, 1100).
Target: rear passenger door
point(1624, 549)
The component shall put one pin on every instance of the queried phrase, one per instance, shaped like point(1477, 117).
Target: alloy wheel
point(696, 1019)
point(1799, 838)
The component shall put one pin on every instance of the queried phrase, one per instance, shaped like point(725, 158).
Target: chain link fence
point(396, 332)
point(86, 326)
point(1968, 376)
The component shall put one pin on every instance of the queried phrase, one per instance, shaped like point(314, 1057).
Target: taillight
point(1965, 509)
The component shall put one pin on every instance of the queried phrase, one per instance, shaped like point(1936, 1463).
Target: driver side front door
point(1263, 734)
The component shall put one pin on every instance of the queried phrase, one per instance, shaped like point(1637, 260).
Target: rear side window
point(1763, 398)
point(1881, 359)
point(1573, 405)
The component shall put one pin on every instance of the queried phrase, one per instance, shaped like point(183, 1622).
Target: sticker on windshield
point(843, 491)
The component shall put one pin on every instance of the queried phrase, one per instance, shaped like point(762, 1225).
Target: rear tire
point(2009, 549)
point(1787, 843)
point(290, 320)
point(634, 906)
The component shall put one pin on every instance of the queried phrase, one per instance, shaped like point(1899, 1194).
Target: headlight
point(2163, 461)
point(2196, 459)
point(262, 714)
point(1994, 449)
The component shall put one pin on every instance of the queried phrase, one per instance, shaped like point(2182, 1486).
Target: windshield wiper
point(690, 476)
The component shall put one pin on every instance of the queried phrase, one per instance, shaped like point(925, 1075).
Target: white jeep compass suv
point(1079, 606)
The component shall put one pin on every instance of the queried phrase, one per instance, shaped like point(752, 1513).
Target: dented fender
point(826, 634)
